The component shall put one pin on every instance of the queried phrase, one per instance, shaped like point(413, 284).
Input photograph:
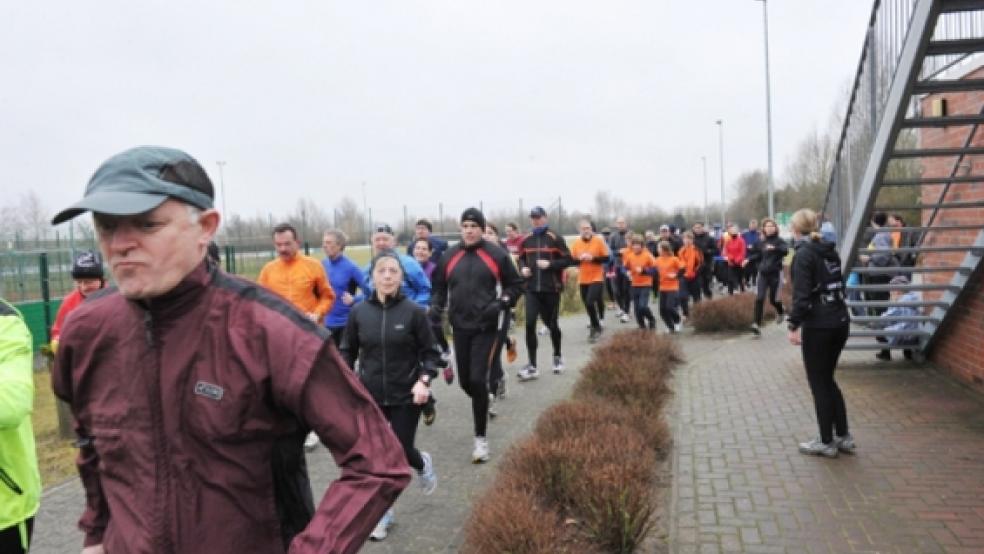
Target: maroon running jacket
point(191, 410)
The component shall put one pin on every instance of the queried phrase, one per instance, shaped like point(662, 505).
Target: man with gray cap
point(192, 390)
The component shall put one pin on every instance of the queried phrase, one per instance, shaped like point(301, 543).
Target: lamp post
point(221, 165)
point(703, 161)
point(724, 215)
point(768, 105)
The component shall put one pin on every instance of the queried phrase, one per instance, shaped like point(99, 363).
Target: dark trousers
point(821, 350)
point(704, 276)
point(683, 296)
point(735, 279)
point(768, 283)
point(692, 288)
point(751, 273)
point(623, 295)
point(403, 419)
point(10, 542)
point(546, 306)
point(593, 303)
point(644, 315)
point(668, 305)
point(880, 296)
point(474, 350)
point(336, 335)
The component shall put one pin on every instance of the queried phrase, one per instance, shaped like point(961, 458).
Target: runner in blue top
point(416, 286)
point(345, 278)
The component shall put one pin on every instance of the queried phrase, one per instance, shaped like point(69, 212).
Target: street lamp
point(221, 165)
point(703, 160)
point(724, 215)
point(768, 104)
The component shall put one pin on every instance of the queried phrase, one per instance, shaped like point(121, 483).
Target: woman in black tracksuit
point(820, 323)
point(768, 254)
point(391, 338)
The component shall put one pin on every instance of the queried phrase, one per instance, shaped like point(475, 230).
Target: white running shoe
point(624, 318)
point(382, 528)
point(492, 411)
point(542, 331)
point(428, 478)
point(528, 373)
point(558, 365)
point(480, 454)
point(311, 441)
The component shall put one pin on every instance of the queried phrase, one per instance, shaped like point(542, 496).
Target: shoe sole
point(558, 371)
point(429, 420)
point(477, 461)
point(818, 454)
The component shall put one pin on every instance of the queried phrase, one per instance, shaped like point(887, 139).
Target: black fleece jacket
point(816, 271)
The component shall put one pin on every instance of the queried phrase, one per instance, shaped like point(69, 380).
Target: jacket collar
point(183, 297)
point(390, 300)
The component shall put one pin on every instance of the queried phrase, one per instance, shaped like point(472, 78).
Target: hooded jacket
point(191, 409)
point(474, 283)
point(617, 242)
point(544, 244)
point(769, 260)
point(20, 482)
point(395, 345)
point(818, 287)
point(708, 247)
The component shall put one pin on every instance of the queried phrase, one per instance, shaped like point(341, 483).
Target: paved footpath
point(915, 485)
point(423, 523)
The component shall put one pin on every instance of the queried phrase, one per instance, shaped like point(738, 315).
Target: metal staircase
point(902, 150)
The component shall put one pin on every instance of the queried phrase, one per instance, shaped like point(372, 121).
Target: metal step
point(907, 318)
point(954, 6)
point(936, 152)
point(889, 304)
point(886, 333)
point(916, 269)
point(920, 181)
point(877, 346)
point(932, 228)
point(941, 206)
point(947, 85)
point(958, 46)
point(944, 121)
point(907, 288)
point(918, 249)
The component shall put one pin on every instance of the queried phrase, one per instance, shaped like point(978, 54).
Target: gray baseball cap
point(140, 179)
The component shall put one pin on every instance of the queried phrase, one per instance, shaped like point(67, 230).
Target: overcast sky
point(424, 101)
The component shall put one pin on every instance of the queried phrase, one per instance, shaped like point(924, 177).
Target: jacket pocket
point(108, 444)
point(7, 480)
point(212, 412)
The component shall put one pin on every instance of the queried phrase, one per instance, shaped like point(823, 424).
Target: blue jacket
point(416, 285)
point(751, 239)
point(344, 276)
point(438, 246)
point(899, 311)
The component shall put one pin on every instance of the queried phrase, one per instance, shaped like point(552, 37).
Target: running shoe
point(756, 331)
point(678, 327)
point(558, 365)
point(780, 318)
point(593, 335)
point(529, 372)
point(542, 331)
point(480, 454)
point(845, 444)
point(492, 410)
point(817, 447)
point(884, 355)
point(511, 352)
point(428, 478)
point(619, 313)
point(624, 318)
point(382, 528)
point(448, 372)
point(311, 441)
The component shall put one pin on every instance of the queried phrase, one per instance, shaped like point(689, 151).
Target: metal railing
point(888, 29)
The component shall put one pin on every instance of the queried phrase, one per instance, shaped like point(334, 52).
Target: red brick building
point(959, 347)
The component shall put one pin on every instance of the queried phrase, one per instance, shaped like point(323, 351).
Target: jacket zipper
point(162, 460)
point(539, 271)
point(7, 480)
point(383, 342)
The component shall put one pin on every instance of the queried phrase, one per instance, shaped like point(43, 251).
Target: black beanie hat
point(474, 215)
point(87, 265)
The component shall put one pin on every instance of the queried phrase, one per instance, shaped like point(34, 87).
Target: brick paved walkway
point(424, 523)
point(916, 484)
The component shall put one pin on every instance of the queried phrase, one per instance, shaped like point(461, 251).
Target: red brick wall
point(959, 346)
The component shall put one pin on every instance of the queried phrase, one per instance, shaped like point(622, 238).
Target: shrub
point(585, 416)
point(510, 519)
point(727, 313)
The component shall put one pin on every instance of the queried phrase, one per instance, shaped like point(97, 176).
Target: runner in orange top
point(591, 253)
point(298, 278)
point(669, 267)
point(692, 259)
point(641, 266)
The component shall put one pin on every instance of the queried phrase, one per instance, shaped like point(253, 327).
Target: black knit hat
point(87, 265)
point(474, 215)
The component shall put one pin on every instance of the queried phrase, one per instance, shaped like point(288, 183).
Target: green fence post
point(46, 296)
point(307, 249)
point(228, 258)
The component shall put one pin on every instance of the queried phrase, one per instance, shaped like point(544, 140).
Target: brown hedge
point(727, 313)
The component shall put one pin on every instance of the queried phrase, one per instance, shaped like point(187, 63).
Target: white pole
point(724, 214)
point(703, 160)
point(768, 107)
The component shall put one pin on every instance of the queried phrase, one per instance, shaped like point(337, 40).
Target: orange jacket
point(593, 270)
point(637, 264)
point(669, 268)
point(692, 259)
point(302, 281)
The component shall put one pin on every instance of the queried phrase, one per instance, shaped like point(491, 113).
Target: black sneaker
point(884, 355)
point(429, 411)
